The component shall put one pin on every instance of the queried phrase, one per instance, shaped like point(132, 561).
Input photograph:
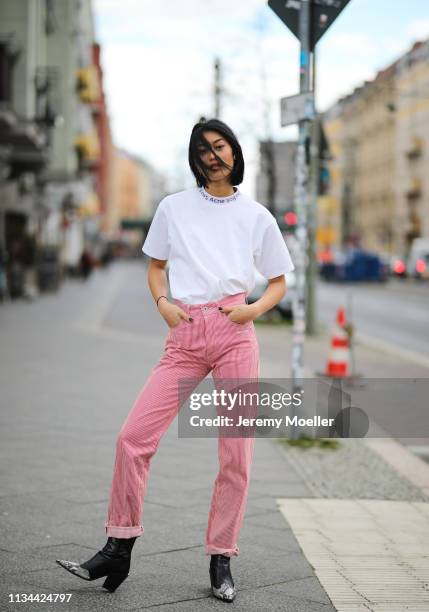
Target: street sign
point(296, 108)
point(323, 14)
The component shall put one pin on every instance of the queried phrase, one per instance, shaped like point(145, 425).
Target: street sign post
point(296, 108)
point(308, 20)
point(323, 14)
point(301, 193)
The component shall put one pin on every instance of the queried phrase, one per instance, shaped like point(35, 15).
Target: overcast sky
point(158, 56)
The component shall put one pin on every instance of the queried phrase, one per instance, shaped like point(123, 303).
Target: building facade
point(411, 111)
point(378, 135)
point(26, 120)
point(53, 125)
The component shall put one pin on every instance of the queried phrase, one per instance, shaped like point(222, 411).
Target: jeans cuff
point(228, 552)
point(123, 532)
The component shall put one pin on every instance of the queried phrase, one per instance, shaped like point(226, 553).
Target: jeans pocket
point(183, 334)
point(240, 327)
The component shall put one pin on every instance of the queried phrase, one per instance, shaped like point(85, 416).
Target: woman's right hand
point(172, 314)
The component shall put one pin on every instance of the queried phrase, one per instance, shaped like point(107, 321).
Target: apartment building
point(379, 138)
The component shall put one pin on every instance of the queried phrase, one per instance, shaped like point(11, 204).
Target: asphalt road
point(395, 312)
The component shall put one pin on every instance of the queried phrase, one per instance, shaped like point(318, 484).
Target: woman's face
point(223, 149)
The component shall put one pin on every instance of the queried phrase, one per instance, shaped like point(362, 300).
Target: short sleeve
point(271, 255)
point(156, 243)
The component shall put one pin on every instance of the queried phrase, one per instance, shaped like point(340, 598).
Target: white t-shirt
point(214, 244)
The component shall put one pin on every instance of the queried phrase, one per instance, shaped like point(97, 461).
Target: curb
point(402, 460)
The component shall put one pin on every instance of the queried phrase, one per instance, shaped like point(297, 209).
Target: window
point(5, 74)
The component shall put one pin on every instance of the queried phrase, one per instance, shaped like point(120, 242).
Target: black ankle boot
point(221, 579)
point(112, 561)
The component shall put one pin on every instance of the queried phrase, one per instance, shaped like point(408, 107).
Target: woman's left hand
point(240, 313)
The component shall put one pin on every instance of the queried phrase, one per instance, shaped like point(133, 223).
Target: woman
point(212, 235)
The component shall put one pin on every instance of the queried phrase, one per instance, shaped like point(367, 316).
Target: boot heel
point(114, 580)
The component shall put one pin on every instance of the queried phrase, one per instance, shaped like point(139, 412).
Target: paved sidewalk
point(73, 365)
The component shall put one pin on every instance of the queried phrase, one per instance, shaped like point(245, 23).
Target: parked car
point(398, 266)
point(395, 264)
point(328, 266)
point(418, 259)
point(284, 308)
point(354, 265)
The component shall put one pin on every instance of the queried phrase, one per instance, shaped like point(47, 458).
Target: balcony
point(88, 84)
point(23, 143)
point(88, 149)
point(416, 149)
point(414, 191)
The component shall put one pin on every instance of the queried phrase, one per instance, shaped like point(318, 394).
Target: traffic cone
point(339, 356)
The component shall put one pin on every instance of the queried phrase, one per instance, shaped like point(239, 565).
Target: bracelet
point(160, 298)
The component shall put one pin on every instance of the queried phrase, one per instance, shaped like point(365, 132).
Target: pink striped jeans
point(211, 343)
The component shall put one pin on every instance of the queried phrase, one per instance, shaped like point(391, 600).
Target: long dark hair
point(199, 140)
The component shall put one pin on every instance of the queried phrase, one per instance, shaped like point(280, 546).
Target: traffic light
point(290, 218)
point(287, 221)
